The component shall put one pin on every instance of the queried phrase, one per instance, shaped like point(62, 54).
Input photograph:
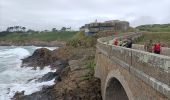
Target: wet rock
point(59, 64)
point(47, 77)
point(45, 94)
point(41, 58)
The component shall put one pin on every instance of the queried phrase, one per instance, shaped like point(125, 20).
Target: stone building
point(115, 25)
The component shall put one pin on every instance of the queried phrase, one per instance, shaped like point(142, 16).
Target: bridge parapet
point(164, 50)
point(151, 68)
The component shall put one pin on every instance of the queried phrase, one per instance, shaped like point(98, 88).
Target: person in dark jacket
point(129, 43)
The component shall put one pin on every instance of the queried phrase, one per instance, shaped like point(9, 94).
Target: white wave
point(50, 48)
point(18, 52)
point(19, 81)
point(30, 87)
point(13, 78)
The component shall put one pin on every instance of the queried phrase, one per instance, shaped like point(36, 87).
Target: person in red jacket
point(115, 41)
point(157, 48)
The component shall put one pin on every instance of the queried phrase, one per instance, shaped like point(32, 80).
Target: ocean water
point(13, 78)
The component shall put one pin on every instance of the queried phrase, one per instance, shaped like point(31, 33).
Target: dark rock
point(44, 57)
point(41, 58)
point(45, 94)
point(47, 77)
point(59, 64)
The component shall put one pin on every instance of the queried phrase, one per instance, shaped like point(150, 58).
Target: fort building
point(94, 27)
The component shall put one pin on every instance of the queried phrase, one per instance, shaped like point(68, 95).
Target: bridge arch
point(116, 87)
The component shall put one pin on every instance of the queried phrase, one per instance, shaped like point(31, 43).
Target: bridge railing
point(164, 50)
point(152, 68)
point(157, 66)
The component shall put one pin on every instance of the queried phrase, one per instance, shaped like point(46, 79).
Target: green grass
point(156, 33)
point(90, 64)
point(163, 37)
point(80, 40)
point(155, 28)
point(49, 36)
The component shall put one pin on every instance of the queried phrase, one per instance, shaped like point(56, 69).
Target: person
point(124, 43)
point(129, 43)
point(148, 46)
point(120, 42)
point(157, 48)
point(115, 41)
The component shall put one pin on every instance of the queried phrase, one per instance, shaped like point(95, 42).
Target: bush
point(80, 40)
point(91, 64)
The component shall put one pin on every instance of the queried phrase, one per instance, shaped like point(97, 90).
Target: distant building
point(68, 29)
point(115, 25)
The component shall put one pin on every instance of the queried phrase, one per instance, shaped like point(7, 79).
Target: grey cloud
point(45, 14)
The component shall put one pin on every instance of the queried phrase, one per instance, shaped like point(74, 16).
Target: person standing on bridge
point(148, 46)
point(120, 42)
point(129, 43)
point(124, 43)
point(115, 41)
point(157, 48)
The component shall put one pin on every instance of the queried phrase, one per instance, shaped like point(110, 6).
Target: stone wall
point(145, 74)
point(135, 88)
point(164, 50)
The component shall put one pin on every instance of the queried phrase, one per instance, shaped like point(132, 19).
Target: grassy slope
point(155, 32)
point(49, 36)
point(155, 28)
point(163, 37)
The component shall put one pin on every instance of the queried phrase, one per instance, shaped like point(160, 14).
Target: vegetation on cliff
point(155, 28)
point(163, 37)
point(156, 33)
point(80, 40)
point(44, 36)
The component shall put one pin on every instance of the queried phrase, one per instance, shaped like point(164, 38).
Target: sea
point(13, 78)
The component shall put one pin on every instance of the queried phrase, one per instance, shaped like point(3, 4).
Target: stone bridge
point(131, 74)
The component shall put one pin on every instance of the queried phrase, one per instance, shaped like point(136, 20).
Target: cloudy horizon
point(43, 14)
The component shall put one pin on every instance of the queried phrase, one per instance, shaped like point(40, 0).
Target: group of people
point(150, 47)
point(125, 43)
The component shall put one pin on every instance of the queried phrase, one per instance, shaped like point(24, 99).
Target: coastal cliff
point(32, 42)
point(73, 78)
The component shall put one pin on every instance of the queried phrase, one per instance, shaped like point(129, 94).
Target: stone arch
point(115, 91)
point(116, 88)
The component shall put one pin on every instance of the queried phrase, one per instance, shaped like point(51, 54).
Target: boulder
point(41, 57)
point(76, 64)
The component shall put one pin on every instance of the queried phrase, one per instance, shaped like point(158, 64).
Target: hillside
point(163, 37)
point(155, 32)
point(155, 28)
point(47, 36)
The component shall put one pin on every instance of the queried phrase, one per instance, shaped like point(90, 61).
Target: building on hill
point(68, 29)
point(115, 25)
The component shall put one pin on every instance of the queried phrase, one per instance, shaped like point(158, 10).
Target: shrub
point(80, 40)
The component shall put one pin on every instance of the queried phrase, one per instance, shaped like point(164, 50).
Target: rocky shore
point(33, 42)
point(74, 80)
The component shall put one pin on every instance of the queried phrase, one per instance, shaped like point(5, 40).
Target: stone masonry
point(130, 74)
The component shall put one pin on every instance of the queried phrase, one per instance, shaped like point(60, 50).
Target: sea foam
point(13, 78)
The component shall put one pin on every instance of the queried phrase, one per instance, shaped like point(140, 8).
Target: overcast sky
point(46, 14)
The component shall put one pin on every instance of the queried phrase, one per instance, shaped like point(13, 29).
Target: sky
point(47, 14)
